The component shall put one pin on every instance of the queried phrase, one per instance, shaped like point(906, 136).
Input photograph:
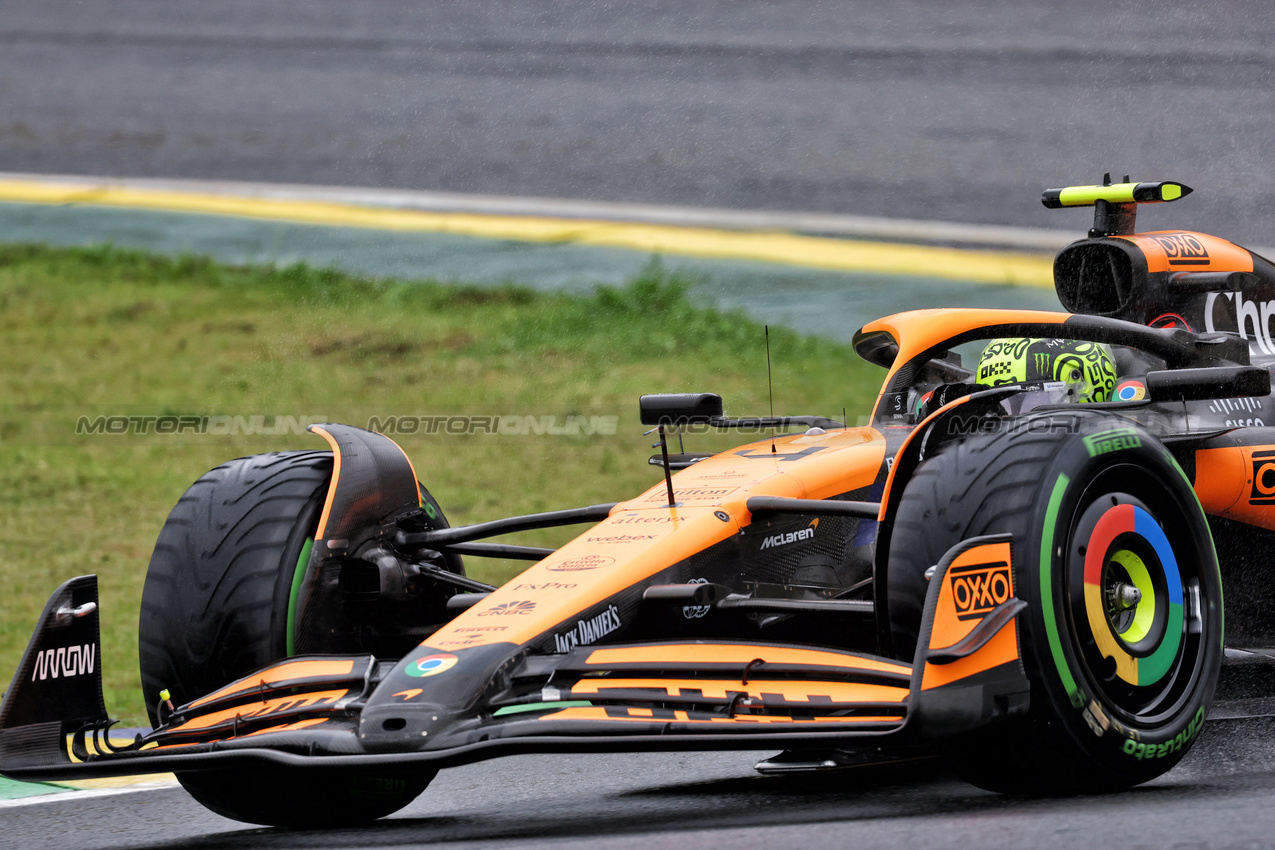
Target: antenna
point(770, 387)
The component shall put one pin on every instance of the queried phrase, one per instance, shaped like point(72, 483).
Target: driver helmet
point(1016, 360)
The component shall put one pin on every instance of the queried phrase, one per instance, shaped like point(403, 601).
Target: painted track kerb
point(723, 234)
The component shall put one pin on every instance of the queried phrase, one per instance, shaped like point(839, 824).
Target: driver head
point(1089, 364)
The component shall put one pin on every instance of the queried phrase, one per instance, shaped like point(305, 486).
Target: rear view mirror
point(674, 409)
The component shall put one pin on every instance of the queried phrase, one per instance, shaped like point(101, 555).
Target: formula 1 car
point(1018, 566)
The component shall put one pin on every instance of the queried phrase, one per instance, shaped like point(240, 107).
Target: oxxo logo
point(1263, 492)
point(979, 588)
point(1183, 249)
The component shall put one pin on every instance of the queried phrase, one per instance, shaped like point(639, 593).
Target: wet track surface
point(1218, 797)
point(953, 111)
point(958, 112)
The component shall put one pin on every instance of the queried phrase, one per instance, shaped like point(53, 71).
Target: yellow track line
point(765, 246)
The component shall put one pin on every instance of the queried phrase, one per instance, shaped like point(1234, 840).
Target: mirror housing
point(1209, 382)
point(674, 409)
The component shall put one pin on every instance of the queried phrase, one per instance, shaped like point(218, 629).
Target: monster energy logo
point(1042, 362)
point(1117, 439)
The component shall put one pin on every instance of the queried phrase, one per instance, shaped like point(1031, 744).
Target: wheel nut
point(1125, 596)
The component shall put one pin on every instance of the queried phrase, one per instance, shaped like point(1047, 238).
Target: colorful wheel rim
point(1127, 549)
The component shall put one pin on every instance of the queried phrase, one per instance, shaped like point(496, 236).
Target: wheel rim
point(1133, 580)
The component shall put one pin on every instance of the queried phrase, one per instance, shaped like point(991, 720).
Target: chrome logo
point(431, 665)
point(1131, 391)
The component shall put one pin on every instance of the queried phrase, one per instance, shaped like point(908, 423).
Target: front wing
point(307, 712)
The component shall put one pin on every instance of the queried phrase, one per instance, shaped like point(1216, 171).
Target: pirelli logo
point(978, 588)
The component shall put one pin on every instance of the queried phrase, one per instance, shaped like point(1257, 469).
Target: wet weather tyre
point(215, 601)
point(1122, 637)
point(215, 607)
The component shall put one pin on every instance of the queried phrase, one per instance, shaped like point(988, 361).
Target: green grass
point(109, 332)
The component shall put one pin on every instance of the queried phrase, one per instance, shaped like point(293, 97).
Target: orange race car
point(1018, 565)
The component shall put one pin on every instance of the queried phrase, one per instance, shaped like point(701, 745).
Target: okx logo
point(977, 589)
point(1263, 492)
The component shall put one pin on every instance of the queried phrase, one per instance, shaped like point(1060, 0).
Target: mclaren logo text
point(791, 537)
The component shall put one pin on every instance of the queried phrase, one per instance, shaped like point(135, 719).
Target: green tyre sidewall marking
point(1071, 696)
point(298, 578)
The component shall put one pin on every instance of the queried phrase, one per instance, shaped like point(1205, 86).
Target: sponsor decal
point(483, 629)
point(762, 454)
point(638, 519)
point(1251, 319)
point(431, 665)
point(412, 693)
point(1096, 718)
point(777, 540)
point(1142, 751)
point(585, 562)
point(684, 493)
point(977, 589)
point(1263, 492)
point(694, 612)
point(1131, 391)
point(548, 585)
point(1117, 439)
point(1183, 249)
point(65, 661)
point(1170, 320)
point(588, 631)
point(522, 606)
point(622, 538)
point(730, 473)
point(1227, 406)
point(460, 642)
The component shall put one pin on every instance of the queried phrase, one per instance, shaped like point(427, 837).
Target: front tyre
point(218, 603)
point(304, 799)
point(1122, 639)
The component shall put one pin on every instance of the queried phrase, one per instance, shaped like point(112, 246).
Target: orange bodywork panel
point(253, 711)
point(1182, 251)
point(977, 581)
point(298, 671)
point(742, 655)
point(1238, 483)
point(645, 535)
point(917, 331)
point(780, 689)
point(622, 714)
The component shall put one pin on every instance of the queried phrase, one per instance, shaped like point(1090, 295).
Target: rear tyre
point(1122, 639)
point(216, 606)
